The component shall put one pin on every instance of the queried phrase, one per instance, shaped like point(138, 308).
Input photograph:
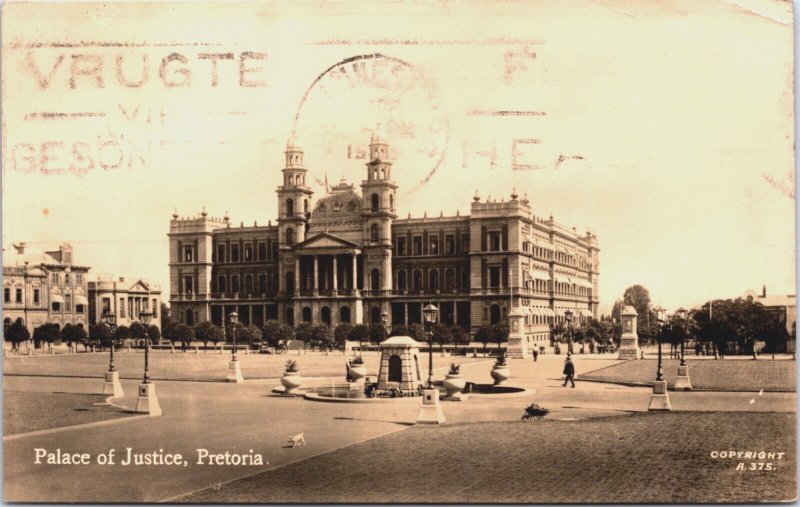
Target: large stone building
point(348, 258)
point(43, 287)
point(125, 298)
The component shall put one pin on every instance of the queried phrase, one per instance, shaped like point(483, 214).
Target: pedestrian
point(535, 355)
point(569, 372)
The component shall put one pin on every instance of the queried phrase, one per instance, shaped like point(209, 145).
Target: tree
point(304, 333)
point(341, 333)
point(442, 334)
point(322, 337)
point(500, 334)
point(360, 333)
point(17, 333)
point(417, 332)
point(639, 298)
point(271, 333)
point(377, 333)
point(100, 333)
point(48, 333)
point(247, 334)
point(122, 333)
point(459, 335)
point(138, 332)
point(166, 317)
point(79, 334)
point(399, 330)
point(485, 335)
point(153, 334)
point(206, 332)
point(183, 334)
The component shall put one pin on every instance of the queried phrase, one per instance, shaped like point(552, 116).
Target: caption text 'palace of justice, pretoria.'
point(348, 258)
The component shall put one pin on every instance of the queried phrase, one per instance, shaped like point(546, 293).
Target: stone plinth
point(431, 410)
point(629, 342)
point(400, 366)
point(659, 400)
point(147, 403)
point(112, 386)
point(683, 382)
point(234, 372)
point(517, 347)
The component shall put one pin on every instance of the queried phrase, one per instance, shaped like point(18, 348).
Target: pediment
point(325, 240)
point(139, 286)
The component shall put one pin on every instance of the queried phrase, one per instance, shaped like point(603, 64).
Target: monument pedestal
point(683, 381)
point(659, 400)
point(112, 386)
point(147, 403)
point(629, 348)
point(431, 411)
point(234, 372)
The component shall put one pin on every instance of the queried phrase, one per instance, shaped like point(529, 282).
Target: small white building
point(124, 297)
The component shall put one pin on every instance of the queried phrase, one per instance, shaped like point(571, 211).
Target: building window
point(188, 285)
point(221, 283)
point(401, 245)
point(235, 284)
point(188, 254)
point(417, 280)
point(494, 241)
point(121, 308)
point(68, 303)
point(262, 251)
point(36, 297)
point(67, 280)
point(248, 253)
point(79, 308)
point(376, 202)
point(417, 245)
point(449, 244)
point(262, 284)
point(289, 207)
point(374, 232)
point(248, 284)
point(18, 295)
point(401, 280)
point(450, 279)
point(79, 279)
point(220, 253)
point(274, 250)
point(494, 277)
point(105, 306)
point(289, 236)
point(155, 307)
point(56, 306)
point(465, 243)
point(433, 245)
point(434, 279)
point(6, 295)
point(234, 253)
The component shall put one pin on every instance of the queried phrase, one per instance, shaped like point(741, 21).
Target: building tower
point(294, 197)
point(378, 210)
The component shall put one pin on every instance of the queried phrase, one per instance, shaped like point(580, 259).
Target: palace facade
point(348, 258)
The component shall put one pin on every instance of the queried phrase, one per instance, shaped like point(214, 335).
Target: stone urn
point(291, 379)
point(454, 383)
point(500, 372)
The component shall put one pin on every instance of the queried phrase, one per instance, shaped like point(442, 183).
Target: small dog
point(297, 440)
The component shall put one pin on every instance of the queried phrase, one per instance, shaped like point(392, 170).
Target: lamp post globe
point(430, 314)
point(234, 318)
point(145, 318)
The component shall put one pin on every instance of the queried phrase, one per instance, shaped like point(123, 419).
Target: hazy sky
point(664, 127)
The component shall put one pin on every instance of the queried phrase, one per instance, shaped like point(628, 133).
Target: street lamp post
point(147, 401)
point(683, 381)
point(431, 410)
point(659, 400)
point(659, 324)
point(234, 370)
point(568, 317)
point(112, 384)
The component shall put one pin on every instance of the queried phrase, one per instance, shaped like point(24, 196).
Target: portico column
point(315, 287)
point(355, 276)
point(297, 275)
point(335, 288)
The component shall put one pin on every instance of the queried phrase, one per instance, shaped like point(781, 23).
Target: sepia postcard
point(402, 251)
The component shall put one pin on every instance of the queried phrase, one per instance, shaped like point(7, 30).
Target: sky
point(665, 128)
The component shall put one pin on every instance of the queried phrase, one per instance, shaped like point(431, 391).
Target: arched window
point(402, 283)
point(289, 207)
point(67, 280)
point(305, 206)
point(290, 316)
point(344, 314)
point(450, 279)
point(262, 284)
point(289, 283)
point(375, 280)
point(325, 313)
point(434, 279)
point(417, 280)
point(289, 236)
point(376, 202)
point(221, 283)
point(248, 284)
point(374, 232)
point(189, 317)
point(235, 283)
point(391, 202)
point(306, 314)
point(494, 312)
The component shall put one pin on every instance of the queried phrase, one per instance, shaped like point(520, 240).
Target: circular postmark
point(346, 102)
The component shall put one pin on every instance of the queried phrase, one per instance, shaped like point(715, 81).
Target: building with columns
point(126, 298)
point(44, 287)
point(348, 258)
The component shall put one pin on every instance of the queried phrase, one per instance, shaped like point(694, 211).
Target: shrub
point(291, 366)
point(455, 369)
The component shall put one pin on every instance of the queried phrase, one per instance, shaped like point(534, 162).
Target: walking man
point(535, 355)
point(569, 372)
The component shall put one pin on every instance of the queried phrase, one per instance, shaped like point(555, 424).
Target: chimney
point(763, 291)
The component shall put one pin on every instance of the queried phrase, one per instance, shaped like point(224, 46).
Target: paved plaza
point(224, 417)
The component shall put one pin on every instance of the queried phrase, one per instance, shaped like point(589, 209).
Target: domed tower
point(294, 197)
point(378, 193)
